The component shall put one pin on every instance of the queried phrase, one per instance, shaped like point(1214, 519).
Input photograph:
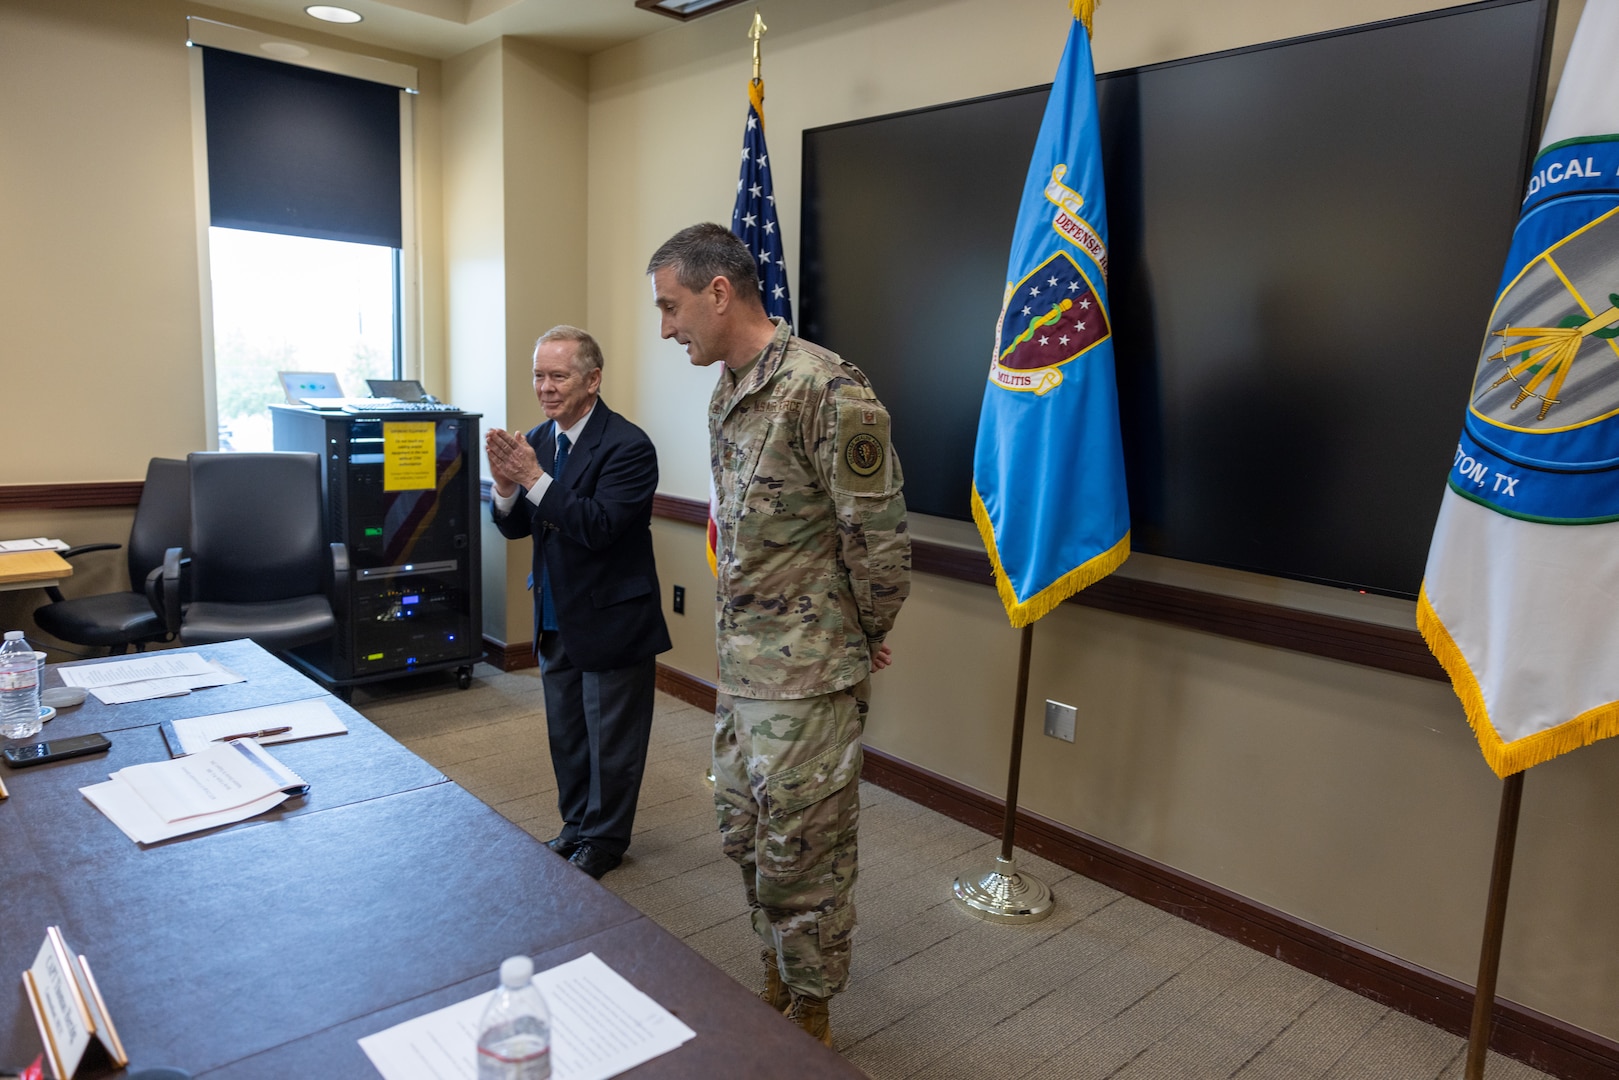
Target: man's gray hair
point(588, 355)
point(701, 253)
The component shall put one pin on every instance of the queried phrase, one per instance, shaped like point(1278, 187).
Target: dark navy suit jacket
point(593, 527)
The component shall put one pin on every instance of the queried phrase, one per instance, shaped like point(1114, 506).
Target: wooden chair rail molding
point(70, 496)
point(1386, 647)
point(672, 507)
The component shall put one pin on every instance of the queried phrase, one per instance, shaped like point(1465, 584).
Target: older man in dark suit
point(581, 485)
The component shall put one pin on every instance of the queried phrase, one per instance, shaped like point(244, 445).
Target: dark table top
point(269, 947)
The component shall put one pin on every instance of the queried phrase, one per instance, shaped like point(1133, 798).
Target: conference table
point(269, 947)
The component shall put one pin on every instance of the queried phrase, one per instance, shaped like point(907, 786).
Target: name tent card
point(68, 1008)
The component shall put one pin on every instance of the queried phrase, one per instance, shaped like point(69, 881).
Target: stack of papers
point(226, 783)
point(158, 675)
point(38, 543)
point(306, 719)
point(600, 1026)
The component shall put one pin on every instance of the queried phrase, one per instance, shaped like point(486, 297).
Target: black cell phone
point(20, 757)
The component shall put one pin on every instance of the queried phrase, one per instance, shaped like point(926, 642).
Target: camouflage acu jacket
point(814, 559)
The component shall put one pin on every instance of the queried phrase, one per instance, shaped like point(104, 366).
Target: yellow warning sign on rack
point(408, 456)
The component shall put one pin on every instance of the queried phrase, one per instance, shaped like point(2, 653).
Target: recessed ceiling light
point(328, 13)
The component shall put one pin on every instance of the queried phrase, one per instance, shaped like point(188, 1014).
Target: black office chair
point(257, 565)
point(119, 620)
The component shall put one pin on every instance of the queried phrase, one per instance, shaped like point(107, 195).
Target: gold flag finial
point(1083, 10)
point(755, 32)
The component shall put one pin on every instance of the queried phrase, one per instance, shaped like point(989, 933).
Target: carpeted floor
point(1105, 987)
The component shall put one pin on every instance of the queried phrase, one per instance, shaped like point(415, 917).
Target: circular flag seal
point(864, 454)
point(1541, 437)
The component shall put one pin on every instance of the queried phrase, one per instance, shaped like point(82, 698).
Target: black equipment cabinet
point(411, 526)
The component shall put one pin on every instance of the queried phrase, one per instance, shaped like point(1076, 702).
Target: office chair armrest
point(82, 548)
point(340, 581)
point(55, 593)
point(163, 590)
point(50, 590)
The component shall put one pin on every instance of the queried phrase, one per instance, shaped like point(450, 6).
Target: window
point(295, 303)
point(306, 231)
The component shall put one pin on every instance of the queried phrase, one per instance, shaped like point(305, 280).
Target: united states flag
point(754, 218)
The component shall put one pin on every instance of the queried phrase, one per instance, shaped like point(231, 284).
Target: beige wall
point(475, 256)
point(1352, 798)
point(514, 151)
point(100, 332)
point(101, 305)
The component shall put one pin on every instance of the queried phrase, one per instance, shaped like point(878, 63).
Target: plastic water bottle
point(19, 688)
point(514, 1036)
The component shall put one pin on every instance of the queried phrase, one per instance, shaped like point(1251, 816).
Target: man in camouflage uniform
point(814, 562)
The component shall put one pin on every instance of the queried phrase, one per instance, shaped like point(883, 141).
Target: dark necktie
point(548, 605)
point(562, 456)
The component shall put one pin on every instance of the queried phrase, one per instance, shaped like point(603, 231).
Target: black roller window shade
point(302, 152)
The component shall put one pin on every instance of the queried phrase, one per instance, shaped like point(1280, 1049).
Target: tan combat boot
point(775, 993)
point(810, 1013)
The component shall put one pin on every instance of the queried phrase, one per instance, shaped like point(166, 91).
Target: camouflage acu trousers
point(787, 790)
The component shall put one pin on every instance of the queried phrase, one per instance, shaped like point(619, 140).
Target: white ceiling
point(442, 28)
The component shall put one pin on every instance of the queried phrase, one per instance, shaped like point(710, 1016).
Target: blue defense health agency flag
point(753, 219)
point(1048, 471)
point(1520, 599)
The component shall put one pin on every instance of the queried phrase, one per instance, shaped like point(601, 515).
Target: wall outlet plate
point(679, 602)
point(1059, 720)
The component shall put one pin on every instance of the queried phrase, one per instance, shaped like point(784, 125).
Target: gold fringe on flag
point(1023, 612)
point(1084, 10)
point(1506, 758)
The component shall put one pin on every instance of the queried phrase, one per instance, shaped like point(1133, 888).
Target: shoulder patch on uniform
point(865, 461)
point(863, 453)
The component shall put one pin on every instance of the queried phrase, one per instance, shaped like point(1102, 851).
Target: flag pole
point(756, 31)
point(1495, 916)
point(1000, 893)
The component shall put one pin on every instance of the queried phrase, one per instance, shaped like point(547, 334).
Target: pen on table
point(264, 734)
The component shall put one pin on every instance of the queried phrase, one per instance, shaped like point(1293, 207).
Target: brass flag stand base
point(1002, 893)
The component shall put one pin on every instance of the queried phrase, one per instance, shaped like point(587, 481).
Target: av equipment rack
point(401, 491)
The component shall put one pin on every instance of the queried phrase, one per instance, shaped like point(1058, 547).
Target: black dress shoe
point(593, 860)
point(562, 846)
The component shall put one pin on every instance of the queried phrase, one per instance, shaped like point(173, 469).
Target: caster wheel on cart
point(463, 678)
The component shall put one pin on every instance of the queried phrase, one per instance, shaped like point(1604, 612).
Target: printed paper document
point(227, 783)
point(162, 665)
point(160, 675)
point(600, 1026)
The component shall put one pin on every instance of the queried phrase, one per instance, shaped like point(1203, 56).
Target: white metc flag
point(1520, 600)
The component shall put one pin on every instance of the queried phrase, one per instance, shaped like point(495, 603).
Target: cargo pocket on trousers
point(812, 811)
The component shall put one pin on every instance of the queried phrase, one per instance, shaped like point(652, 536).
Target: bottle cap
point(516, 971)
point(13, 635)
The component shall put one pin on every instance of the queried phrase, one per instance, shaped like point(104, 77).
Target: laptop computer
point(398, 389)
point(301, 385)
